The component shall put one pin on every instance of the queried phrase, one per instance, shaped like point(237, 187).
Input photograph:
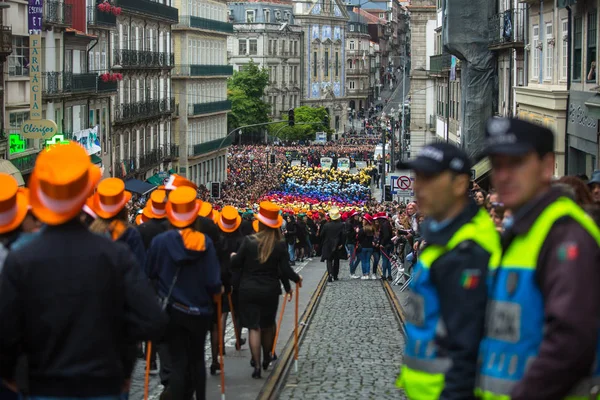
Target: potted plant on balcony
point(105, 77)
point(115, 10)
point(104, 6)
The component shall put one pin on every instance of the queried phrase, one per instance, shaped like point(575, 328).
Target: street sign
point(402, 185)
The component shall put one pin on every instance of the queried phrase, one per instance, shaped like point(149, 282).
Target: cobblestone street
point(353, 346)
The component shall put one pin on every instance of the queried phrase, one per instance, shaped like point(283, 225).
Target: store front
point(582, 132)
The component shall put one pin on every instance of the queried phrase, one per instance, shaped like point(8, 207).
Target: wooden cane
point(220, 333)
point(237, 334)
point(147, 374)
point(296, 327)
point(279, 327)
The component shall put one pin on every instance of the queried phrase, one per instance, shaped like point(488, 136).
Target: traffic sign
point(401, 184)
point(404, 182)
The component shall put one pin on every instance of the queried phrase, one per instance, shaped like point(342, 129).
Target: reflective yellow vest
point(515, 321)
point(423, 370)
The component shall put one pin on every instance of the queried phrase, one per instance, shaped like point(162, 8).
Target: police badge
point(512, 280)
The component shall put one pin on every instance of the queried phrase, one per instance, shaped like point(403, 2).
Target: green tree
point(317, 116)
point(245, 89)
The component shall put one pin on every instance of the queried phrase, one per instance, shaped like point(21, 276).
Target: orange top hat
point(62, 180)
point(140, 219)
point(230, 219)
point(176, 181)
point(110, 198)
point(182, 207)
point(268, 214)
point(205, 209)
point(13, 204)
point(255, 225)
point(156, 206)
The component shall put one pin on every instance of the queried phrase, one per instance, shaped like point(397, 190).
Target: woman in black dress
point(263, 262)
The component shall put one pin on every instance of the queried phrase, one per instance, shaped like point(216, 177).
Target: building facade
point(142, 57)
point(266, 33)
point(324, 51)
point(543, 96)
point(358, 63)
point(200, 86)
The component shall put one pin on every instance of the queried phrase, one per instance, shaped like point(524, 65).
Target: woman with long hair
point(263, 262)
point(365, 239)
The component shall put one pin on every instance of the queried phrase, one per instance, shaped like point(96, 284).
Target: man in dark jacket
point(446, 307)
point(155, 212)
point(72, 301)
point(332, 243)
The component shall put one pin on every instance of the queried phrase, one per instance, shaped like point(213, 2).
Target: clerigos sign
point(36, 127)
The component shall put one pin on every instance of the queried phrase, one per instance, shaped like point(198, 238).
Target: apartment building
point(6, 47)
point(543, 96)
point(267, 33)
point(142, 58)
point(324, 51)
point(358, 63)
point(200, 86)
point(73, 93)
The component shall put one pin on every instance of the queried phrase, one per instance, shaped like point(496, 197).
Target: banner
point(343, 164)
point(326, 162)
point(89, 139)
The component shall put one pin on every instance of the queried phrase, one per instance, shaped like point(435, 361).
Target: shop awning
point(7, 167)
point(139, 187)
point(158, 179)
point(95, 159)
point(482, 168)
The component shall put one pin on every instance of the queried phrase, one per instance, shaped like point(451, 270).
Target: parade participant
point(545, 303)
point(449, 285)
point(350, 230)
point(68, 271)
point(332, 243)
point(365, 234)
point(87, 216)
point(385, 245)
point(183, 262)
point(155, 216)
point(263, 262)
point(108, 203)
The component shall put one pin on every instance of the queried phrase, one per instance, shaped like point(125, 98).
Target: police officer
point(541, 336)
point(446, 308)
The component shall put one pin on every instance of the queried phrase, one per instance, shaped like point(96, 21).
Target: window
point(591, 46)
point(315, 64)
point(249, 16)
point(352, 84)
point(16, 120)
point(382, 15)
point(535, 65)
point(326, 62)
point(337, 64)
point(18, 61)
point(549, 50)
point(243, 47)
point(577, 47)
point(267, 16)
point(253, 47)
point(352, 45)
point(351, 28)
point(564, 50)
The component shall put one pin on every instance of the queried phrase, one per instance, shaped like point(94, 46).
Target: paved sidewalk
point(353, 346)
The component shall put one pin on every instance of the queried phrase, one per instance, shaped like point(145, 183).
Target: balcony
point(26, 163)
point(202, 70)
point(507, 30)
point(99, 19)
point(189, 21)
point(58, 13)
point(440, 63)
point(148, 160)
point(357, 71)
point(150, 8)
point(65, 83)
point(107, 87)
point(134, 59)
point(133, 112)
point(207, 108)
point(207, 147)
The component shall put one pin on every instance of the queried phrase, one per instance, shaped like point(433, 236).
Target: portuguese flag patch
point(470, 278)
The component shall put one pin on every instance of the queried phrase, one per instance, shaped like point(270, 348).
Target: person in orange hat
point(13, 211)
point(183, 262)
point(76, 273)
point(155, 216)
point(176, 181)
point(29, 228)
point(263, 263)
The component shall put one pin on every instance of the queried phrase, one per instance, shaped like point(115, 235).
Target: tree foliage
point(316, 115)
point(245, 89)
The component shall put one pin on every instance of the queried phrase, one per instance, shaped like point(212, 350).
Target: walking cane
point(220, 333)
point(298, 286)
point(238, 345)
point(147, 375)
point(279, 327)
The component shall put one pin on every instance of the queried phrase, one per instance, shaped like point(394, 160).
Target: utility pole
point(402, 105)
point(383, 132)
point(393, 157)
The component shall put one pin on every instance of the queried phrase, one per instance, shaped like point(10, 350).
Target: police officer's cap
point(436, 158)
point(516, 137)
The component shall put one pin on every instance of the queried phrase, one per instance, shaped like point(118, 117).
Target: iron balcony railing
point(439, 63)
point(105, 87)
point(26, 163)
point(357, 71)
point(58, 13)
point(58, 83)
point(202, 70)
point(207, 147)
point(142, 110)
point(206, 108)
point(100, 19)
point(152, 8)
point(145, 161)
point(508, 28)
point(189, 21)
point(143, 59)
